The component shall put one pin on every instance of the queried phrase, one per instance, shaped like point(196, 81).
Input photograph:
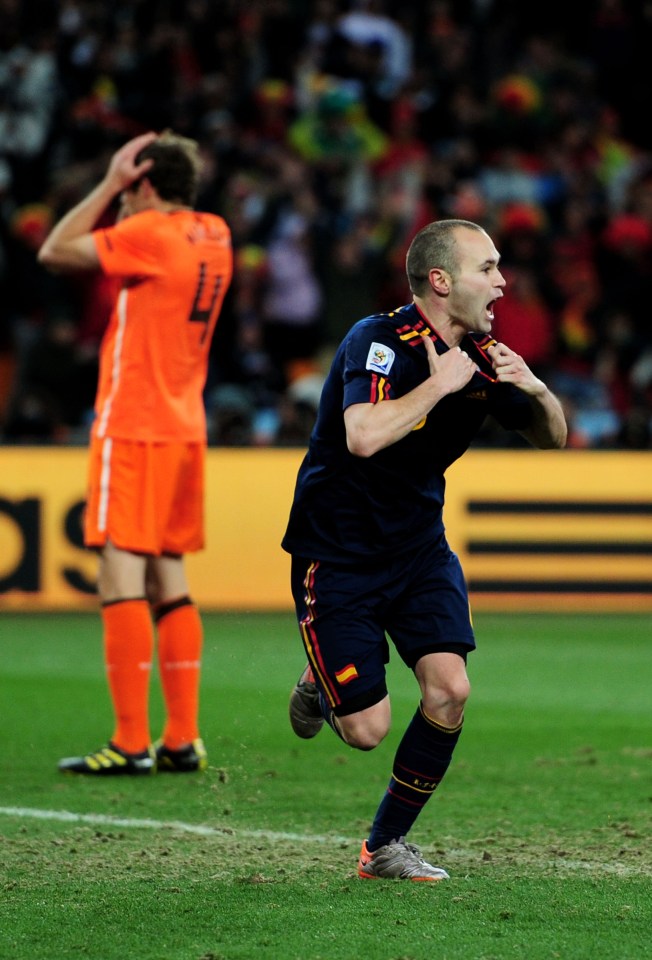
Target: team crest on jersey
point(380, 358)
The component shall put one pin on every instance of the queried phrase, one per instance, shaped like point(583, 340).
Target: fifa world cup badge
point(380, 358)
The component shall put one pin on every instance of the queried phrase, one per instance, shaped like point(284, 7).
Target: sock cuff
point(162, 609)
point(440, 726)
point(118, 600)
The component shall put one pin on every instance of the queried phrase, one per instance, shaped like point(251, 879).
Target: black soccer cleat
point(186, 760)
point(111, 761)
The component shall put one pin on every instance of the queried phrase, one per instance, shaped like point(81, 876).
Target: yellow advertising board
point(553, 530)
point(43, 563)
point(534, 530)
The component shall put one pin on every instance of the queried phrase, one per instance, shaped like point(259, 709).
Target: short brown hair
point(176, 168)
point(434, 246)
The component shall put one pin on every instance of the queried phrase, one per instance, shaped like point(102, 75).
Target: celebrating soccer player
point(406, 394)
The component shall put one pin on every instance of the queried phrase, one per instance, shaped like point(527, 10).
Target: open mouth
point(490, 307)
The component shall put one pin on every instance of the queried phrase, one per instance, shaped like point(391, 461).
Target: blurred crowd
point(332, 130)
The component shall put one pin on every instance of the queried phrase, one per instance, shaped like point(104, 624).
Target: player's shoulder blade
point(207, 228)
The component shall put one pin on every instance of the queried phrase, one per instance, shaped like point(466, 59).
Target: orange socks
point(180, 638)
point(128, 649)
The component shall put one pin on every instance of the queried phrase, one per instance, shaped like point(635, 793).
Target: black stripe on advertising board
point(613, 587)
point(634, 548)
point(529, 507)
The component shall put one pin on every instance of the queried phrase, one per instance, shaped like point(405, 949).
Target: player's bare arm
point(548, 429)
point(371, 427)
point(70, 245)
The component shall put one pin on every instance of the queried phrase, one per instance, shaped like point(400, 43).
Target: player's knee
point(363, 733)
point(460, 691)
point(445, 703)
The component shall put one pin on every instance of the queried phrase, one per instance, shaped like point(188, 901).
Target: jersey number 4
point(204, 303)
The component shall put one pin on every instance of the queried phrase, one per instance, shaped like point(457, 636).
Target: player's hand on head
point(123, 168)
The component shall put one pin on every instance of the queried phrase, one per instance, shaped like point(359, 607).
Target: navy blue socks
point(422, 759)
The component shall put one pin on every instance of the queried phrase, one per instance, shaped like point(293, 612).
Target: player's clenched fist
point(454, 367)
point(510, 367)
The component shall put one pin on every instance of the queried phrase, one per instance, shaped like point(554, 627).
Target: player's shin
point(422, 759)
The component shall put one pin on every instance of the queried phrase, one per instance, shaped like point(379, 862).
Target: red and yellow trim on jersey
point(381, 389)
point(482, 347)
point(310, 642)
point(412, 334)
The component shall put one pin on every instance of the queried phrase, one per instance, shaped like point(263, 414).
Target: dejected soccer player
point(406, 394)
point(144, 507)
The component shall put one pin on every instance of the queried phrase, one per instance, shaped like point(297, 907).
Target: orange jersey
point(175, 269)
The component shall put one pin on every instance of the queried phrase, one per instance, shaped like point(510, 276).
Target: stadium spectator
point(406, 394)
point(442, 109)
point(58, 376)
point(144, 507)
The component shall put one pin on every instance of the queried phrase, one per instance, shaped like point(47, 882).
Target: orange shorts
point(145, 497)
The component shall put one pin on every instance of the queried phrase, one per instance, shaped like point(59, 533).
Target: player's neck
point(165, 207)
point(446, 328)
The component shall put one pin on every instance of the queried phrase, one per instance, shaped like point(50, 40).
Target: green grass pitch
point(543, 821)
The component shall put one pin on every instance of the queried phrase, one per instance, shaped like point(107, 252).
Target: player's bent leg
point(365, 729)
point(362, 729)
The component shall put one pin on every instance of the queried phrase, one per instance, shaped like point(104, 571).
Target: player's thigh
point(433, 613)
point(166, 579)
point(342, 634)
point(121, 574)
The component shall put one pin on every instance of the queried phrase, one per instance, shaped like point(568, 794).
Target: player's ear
point(440, 281)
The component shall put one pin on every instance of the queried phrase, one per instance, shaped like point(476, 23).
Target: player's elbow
point(364, 432)
point(48, 258)
point(550, 443)
point(546, 441)
point(361, 444)
point(44, 257)
point(556, 439)
point(358, 449)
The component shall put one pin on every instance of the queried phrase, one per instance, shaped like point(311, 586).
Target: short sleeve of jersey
point(369, 362)
point(128, 249)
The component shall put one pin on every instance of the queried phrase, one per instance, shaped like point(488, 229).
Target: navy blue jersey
point(345, 507)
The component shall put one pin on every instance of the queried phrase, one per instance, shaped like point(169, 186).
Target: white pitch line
point(202, 830)
point(105, 820)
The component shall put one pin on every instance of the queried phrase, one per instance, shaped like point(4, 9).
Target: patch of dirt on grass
point(43, 854)
point(617, 848)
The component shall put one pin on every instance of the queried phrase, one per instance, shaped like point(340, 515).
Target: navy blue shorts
point(345, 615)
